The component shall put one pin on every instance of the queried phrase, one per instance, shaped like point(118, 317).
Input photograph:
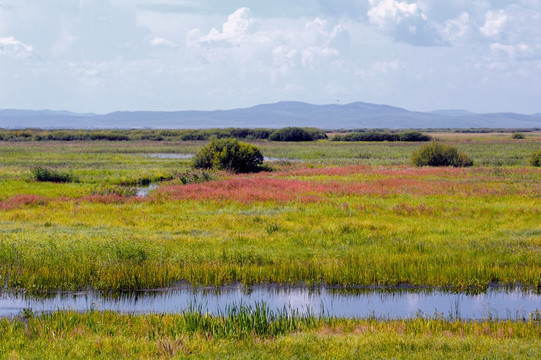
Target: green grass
point(249, 333)
point(140, 245)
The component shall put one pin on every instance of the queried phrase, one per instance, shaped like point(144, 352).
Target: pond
point(168, 156)
point(494, 304)
point(144, 191)
point(189, 156)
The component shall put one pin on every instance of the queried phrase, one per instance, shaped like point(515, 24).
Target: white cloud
point(386, 13)
point(519, 51)
point(457, 29)
point(495, 23)
point(318, 31)
point(283, 54)
point(235, 30)
point(378, 69)
point(159, 41)
point(405, 22)
point(12, 47)
point(313, 55)
point(250, 40)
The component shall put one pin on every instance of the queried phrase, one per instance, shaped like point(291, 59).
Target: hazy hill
point(278, 115)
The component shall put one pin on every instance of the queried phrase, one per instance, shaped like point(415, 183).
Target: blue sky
point(102, 56)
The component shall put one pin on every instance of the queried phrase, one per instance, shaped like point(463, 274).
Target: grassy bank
point(255, 333)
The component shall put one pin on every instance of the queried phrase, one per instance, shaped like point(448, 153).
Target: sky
point(165, 55)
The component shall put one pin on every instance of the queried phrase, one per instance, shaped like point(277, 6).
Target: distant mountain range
point(282, 114)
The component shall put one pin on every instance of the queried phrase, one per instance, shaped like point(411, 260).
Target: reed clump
point(42, 174)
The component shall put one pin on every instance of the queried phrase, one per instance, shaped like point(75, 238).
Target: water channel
point(496, 303)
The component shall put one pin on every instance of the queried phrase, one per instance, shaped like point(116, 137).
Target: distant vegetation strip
point(285, 134)
point(444, 130)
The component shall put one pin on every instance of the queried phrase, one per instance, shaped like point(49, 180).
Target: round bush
point(535, 158)
point(437, 154)
point(517, 136)
point(230, 155)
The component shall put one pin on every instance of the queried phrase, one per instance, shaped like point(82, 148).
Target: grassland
point(335, 218)
point(345, 214)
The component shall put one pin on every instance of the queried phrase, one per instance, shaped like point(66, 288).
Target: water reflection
point(189, 156)
point(494, 304)
point(275, 159)
point(168, 156)
point(144, 191)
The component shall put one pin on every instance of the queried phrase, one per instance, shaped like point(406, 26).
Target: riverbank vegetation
point(253, 333)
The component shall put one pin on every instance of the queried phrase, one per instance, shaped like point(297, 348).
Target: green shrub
point(382, 136)
point(535, 158)
point(437, 154)
point(297, 134)
point(229, 154)
point(413, 136)
point(367, 136)
point(517, 136)
point(42, 174)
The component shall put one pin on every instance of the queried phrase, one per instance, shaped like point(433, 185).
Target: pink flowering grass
point(281, 188)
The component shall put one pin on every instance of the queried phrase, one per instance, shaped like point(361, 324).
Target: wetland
point(345, 216)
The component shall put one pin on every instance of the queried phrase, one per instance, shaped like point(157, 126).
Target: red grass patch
point(257, 189)
point(274, 187)
point(21, 200)
point(245, 190)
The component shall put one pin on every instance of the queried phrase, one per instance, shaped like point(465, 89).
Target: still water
point(168, 156)
point(494, 304)
point(189, 156)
